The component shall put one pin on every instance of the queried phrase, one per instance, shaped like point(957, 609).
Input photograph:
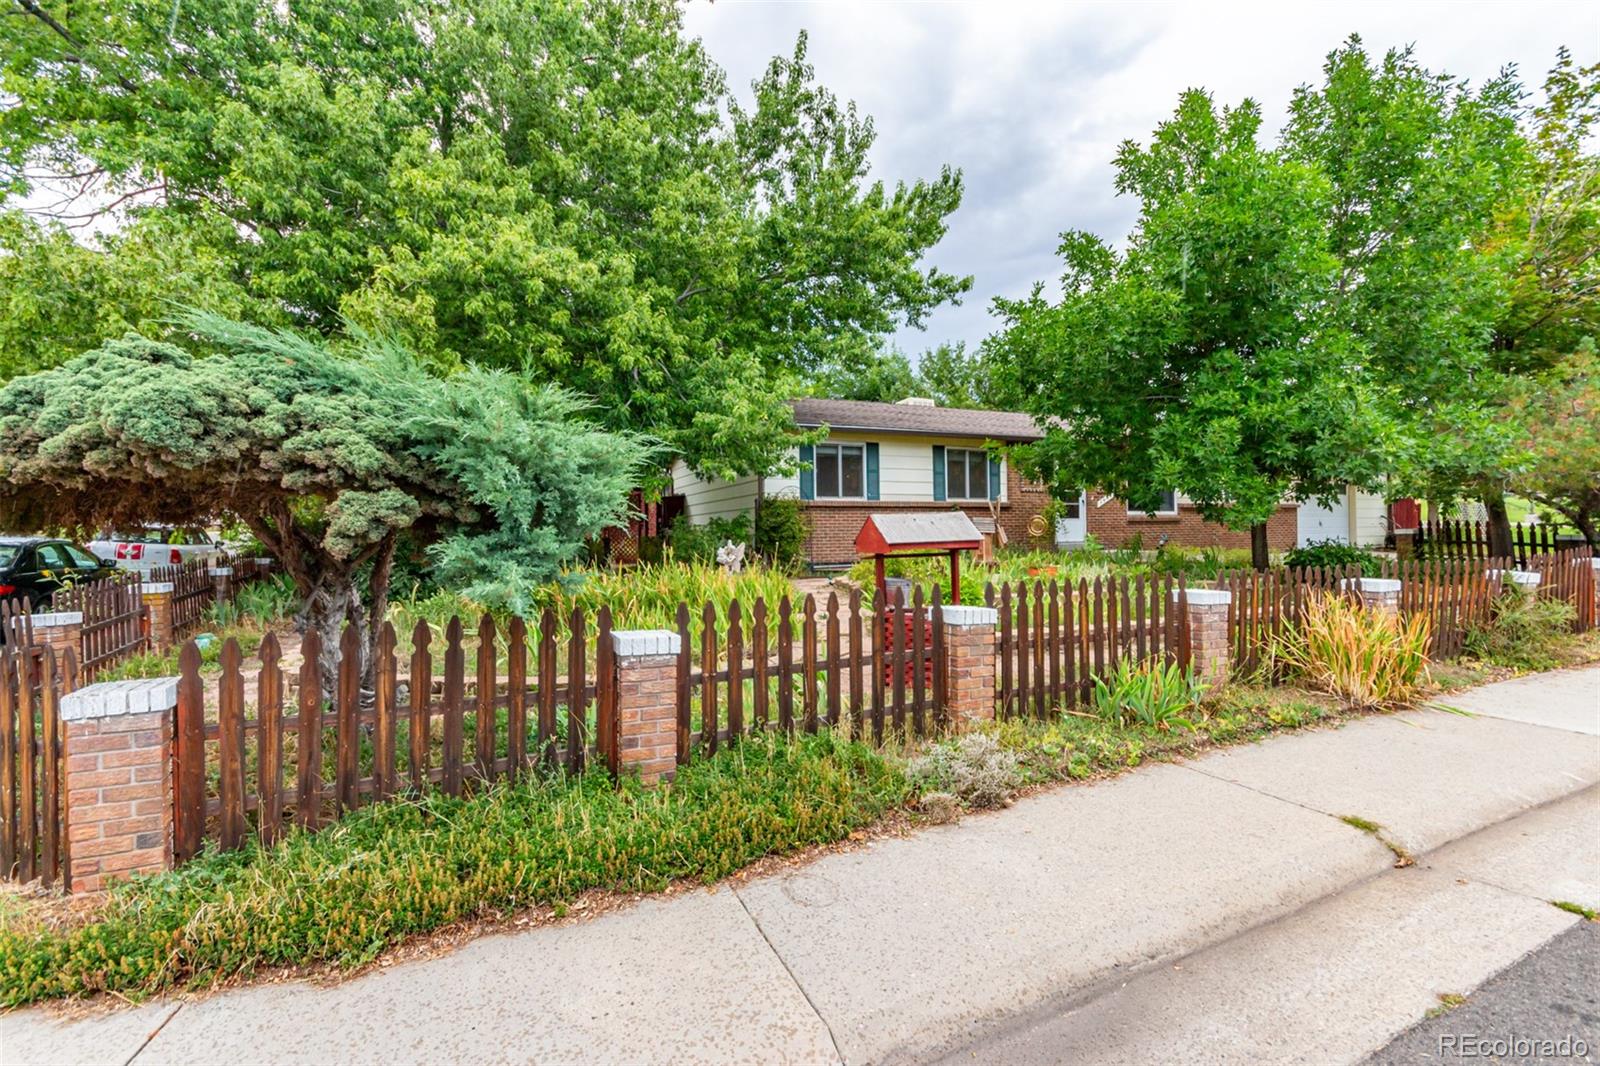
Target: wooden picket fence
point(1264, 603)
point(33, 809)
point(534, 699)
point(1054, 639)
point(192, 592)
point(1454, 539)
point(113, 626)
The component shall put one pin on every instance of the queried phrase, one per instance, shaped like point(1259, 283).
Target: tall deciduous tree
point(1560, 413)
point(565, 187)
point(1195, 360)
point(327, 457)
point(1419, 165)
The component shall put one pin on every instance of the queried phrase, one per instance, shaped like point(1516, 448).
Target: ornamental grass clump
point(1524, 631)
point(1367, 658)
point(647, 596)
point(1152, 694)
point(392, 870)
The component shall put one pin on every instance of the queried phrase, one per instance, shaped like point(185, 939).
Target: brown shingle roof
point(916, 418)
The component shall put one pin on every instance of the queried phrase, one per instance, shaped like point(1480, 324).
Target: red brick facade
point(1113, 527)
point(835, 523)
point(647, 716)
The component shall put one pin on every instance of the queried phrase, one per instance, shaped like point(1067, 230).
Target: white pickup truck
point(153, 546)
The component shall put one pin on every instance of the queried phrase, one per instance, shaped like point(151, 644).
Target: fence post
point(118, 779)
point(968, 634)
point(1210, 651)
point(222, 583)
point(61, 630)
point(1404, 543)
point(157, 596)
point(1380, 594)
point(646, 665)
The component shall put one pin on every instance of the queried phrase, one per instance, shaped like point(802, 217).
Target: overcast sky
point(1031, 99)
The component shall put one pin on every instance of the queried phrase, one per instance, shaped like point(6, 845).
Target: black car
point(32, 568)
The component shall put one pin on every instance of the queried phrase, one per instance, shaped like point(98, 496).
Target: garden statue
point(731, 557)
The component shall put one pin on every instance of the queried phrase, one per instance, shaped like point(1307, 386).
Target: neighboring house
point(915, 456)
point(1356, 517)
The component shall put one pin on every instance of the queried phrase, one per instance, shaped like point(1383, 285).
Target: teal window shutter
point(872, 471)
point(994, 478)
point(938, 472)
point(808, 475)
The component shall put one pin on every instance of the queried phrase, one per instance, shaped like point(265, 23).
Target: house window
point(1168, 505)
point(841, 472)
point(966, 473)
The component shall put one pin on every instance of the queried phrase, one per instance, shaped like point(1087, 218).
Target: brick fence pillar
point(62, 631)
point(1210, 654)
point(969, 658)
point(1380, 594)
point(118, 779)
point(647, 707)
point(222, 583)
point(158, 614)
point(1405, 543)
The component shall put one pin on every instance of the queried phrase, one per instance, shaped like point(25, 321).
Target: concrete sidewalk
point(925, 944)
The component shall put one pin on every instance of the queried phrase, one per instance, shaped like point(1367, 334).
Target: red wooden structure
point(919, 533)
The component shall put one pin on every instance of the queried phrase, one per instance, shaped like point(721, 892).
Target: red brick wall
point(834, 524)
point(119, 789)
point(1113, 527)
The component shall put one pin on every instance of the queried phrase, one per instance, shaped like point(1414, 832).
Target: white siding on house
point(1371, 519)
point(905, 464)
point(905, 475)
point(705, 500)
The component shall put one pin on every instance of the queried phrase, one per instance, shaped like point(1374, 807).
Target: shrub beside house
point(916, 456)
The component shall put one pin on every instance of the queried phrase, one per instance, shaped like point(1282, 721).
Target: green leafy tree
point(873, 373)
point(1419, 164)
point(955, 378)
point(327, 457)
point(1194, 360)
point(565, 187)
point(1561, 412)
point(59, 297)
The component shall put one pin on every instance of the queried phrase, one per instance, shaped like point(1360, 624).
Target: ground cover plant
point(388, 871)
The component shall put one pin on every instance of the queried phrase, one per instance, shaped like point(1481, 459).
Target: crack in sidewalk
point(173, 1013)
point(834, 1040)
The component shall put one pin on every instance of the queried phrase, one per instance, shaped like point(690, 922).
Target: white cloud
point(1031, 99)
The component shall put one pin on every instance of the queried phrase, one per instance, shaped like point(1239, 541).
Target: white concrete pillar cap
point(57, 618)
point(630, 642)
point(110, 699)
point(958, 615)
point(1203, 597)
point(157, 588)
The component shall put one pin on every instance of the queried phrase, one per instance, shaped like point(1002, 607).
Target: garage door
point(1324, 523)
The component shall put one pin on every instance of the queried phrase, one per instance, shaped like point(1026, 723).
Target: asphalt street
point(1543, 1008)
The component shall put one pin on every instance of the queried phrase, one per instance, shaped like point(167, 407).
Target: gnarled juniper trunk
point(326, 609)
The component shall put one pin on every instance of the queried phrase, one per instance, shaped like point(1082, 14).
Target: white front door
point(1317, 522)
point(1073, 525)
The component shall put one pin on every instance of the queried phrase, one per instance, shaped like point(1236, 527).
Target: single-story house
point(916, 456)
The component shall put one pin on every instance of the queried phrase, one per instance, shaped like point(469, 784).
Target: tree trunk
point(378, 606)
point(1260, 556)
point(326, 609)
point(1494, 501)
